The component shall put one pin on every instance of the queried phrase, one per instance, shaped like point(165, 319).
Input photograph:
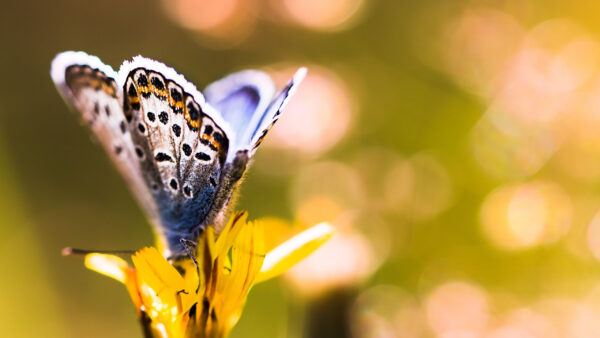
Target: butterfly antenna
point(68, 251)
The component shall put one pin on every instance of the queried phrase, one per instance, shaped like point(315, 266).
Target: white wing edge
point(65, 59)
point(291, 86)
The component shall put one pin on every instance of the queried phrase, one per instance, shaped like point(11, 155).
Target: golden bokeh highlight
point(524, 215)
point(418, 187)
point(217, 24)
point(522, 322)
point(593, 236)
point(332, 15)
point(533, 82)
point(475, 47)
point(507, 150)
point(457, 309)
point(387, 311)
point(324, 190)
point(344, 261)
point(318, 117)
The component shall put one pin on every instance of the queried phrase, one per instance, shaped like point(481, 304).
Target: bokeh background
point(455, 145)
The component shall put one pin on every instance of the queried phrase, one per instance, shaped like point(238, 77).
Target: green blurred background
point(455, 144)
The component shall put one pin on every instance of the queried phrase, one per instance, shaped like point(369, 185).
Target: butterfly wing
point(244, 101)
point(182, 158)
point(240, 98)
point(273, 111)
point(181, 145)
point(90, 88)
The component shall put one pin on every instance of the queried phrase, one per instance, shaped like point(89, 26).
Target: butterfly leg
point(188, 245)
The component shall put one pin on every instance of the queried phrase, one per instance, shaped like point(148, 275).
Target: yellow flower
point(182, 299)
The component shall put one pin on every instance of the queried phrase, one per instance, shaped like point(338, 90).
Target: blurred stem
point(329, 314)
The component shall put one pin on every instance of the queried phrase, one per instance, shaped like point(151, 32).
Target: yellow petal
point(108, 265)
point(155, 270)
point(278, 231)
point(229, 233)
point(294, 250)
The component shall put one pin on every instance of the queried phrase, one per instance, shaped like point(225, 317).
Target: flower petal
point(294, 250)
point(229, 233)
point(108, 265)
point(155, 270)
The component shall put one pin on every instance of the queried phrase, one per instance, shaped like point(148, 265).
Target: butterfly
point(182, 153)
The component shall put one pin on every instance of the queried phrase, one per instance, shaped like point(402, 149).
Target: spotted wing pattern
point(181, 157)
point(90, 87)
point(180, 148)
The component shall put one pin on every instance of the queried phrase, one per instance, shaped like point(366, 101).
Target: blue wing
point(244, 101)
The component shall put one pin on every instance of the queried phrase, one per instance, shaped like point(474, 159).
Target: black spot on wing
point(161, 157)
point(151, 116)
point(156, 82)
point(218, 137)
point(176, 95)
point(187, 150)
point(194, 113)
point(163, 117)
point(142, 80)
point(202, 156)
point(187, 191)
point(177, 130)
point(132, 91)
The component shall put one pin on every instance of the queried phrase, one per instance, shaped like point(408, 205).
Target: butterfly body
point(182, 156)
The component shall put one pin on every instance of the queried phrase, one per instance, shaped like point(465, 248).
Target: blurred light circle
point(510, 332)
point(523, 322)
point(343, 261)
point(535, 87)
point(331, 15)
point(477, 45)
point(584, 322)
point(579, 156)
point(317, 117)
point(387, 311)
point(419, 187)
point(373, 164)
point(574, 54)
point(571, 318)
point(593, 236)
point(519, 216)
point(375, 229)
point(317, 209)
point(325, 189)
point(507, 149)
point(457, 309)
point(202, 14)
point(538, 85)
point(219, 23)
